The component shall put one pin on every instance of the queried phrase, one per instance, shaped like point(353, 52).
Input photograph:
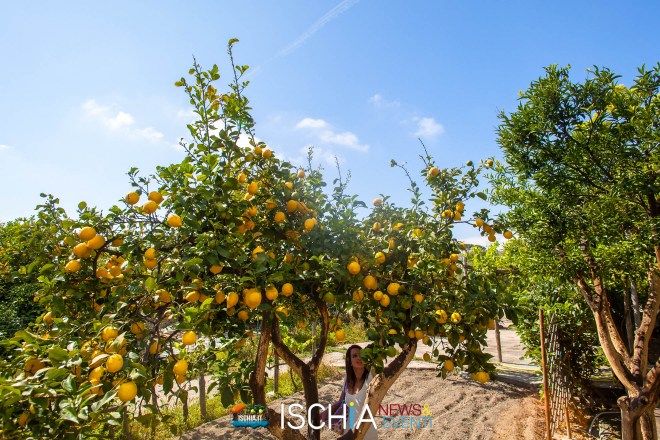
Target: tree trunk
point(258, 385)
point(498, 342)
point(627, 312)
point(184, 402)
point(202, 395)
point(635, 304)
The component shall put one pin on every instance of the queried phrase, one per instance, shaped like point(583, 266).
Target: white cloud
point(325, 134)
point(311, 123)
point(428, 127)
point(119, 121)
point(4, 147)
point(380, 102)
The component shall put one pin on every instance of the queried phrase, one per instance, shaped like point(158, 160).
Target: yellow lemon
point(96, 242)
point(455, 317)
point(155, 196)
point(393, 288)
point(127, 391)
point(87, 233)
point(271, 293)
point(150, 253)
point(377, 202)
point(232, 299)
point(216, 269)
point(267, 153)
point(370, 282)
point(291, 206)
point(96, 373)
point(252, 188)
point(72, 266)
point(380, 257)
point(219, 296)
point(478, 223)
point(193, 296)
point(433, 172)
point(114, 363)
point(241, 177)
point(448, 365)
point(189, 338)
point(385, 300)
point(22, 419)
point(150, 207)
point(358, 296)
point(132, 198)
point(354, 268)
point(340, 335)
point(82, 250)
point(300, 174)
point(174, 220)
point(287, 289)
point(109, 333)
point(376, 227)
point(508, 235)
point(441, 316)
point(309, 224)
point(253, 299)
point(378, 295)
point(180, 368)
point(243, 315)
point(150, 264)
point(155, 347)
point(427, 357)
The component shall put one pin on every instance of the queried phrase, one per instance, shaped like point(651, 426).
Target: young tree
point(581, 180)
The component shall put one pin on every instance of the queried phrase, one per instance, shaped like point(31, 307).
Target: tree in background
point(580, 178)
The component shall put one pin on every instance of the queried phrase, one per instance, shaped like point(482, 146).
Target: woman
point(355, 389)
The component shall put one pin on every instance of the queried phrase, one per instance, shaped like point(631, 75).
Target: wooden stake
point(276, 375)
point(568, 422)
point(498, 343)
point(546, 393)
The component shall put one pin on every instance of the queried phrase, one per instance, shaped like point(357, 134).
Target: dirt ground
point(460, 408)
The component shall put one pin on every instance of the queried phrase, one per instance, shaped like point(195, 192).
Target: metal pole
point(546, 393)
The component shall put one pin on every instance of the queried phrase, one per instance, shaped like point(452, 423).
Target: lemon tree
point(221, 253)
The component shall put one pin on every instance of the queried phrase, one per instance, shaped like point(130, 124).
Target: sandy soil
point(461, 409)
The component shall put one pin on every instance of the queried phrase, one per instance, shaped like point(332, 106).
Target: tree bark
point(202, 395)
point(628, 320)
point(635, 303)
point(258, 385)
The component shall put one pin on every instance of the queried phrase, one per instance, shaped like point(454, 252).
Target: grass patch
point(175, 425)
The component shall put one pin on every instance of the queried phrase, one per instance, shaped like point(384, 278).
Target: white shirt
point(359, 401)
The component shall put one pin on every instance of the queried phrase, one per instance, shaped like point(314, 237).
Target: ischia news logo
point(390, 416)
point(249, 416)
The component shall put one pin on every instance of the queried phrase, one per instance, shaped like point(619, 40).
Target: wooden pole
point(498, 343)
point(546, 393)
point(568, 422)
point(276, 375)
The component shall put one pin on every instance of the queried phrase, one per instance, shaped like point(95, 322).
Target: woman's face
point(356, 360)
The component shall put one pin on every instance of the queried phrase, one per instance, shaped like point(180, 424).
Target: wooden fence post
point(546, 392)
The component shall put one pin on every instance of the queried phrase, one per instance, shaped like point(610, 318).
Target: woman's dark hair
point(350, 374)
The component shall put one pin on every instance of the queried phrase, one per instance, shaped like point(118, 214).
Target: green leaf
point(58, 355)
point(482, 196)
point(227, 397)
point(69, 414)
point(69, 384)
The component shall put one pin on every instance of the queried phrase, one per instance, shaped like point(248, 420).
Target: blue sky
point(87, 87)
